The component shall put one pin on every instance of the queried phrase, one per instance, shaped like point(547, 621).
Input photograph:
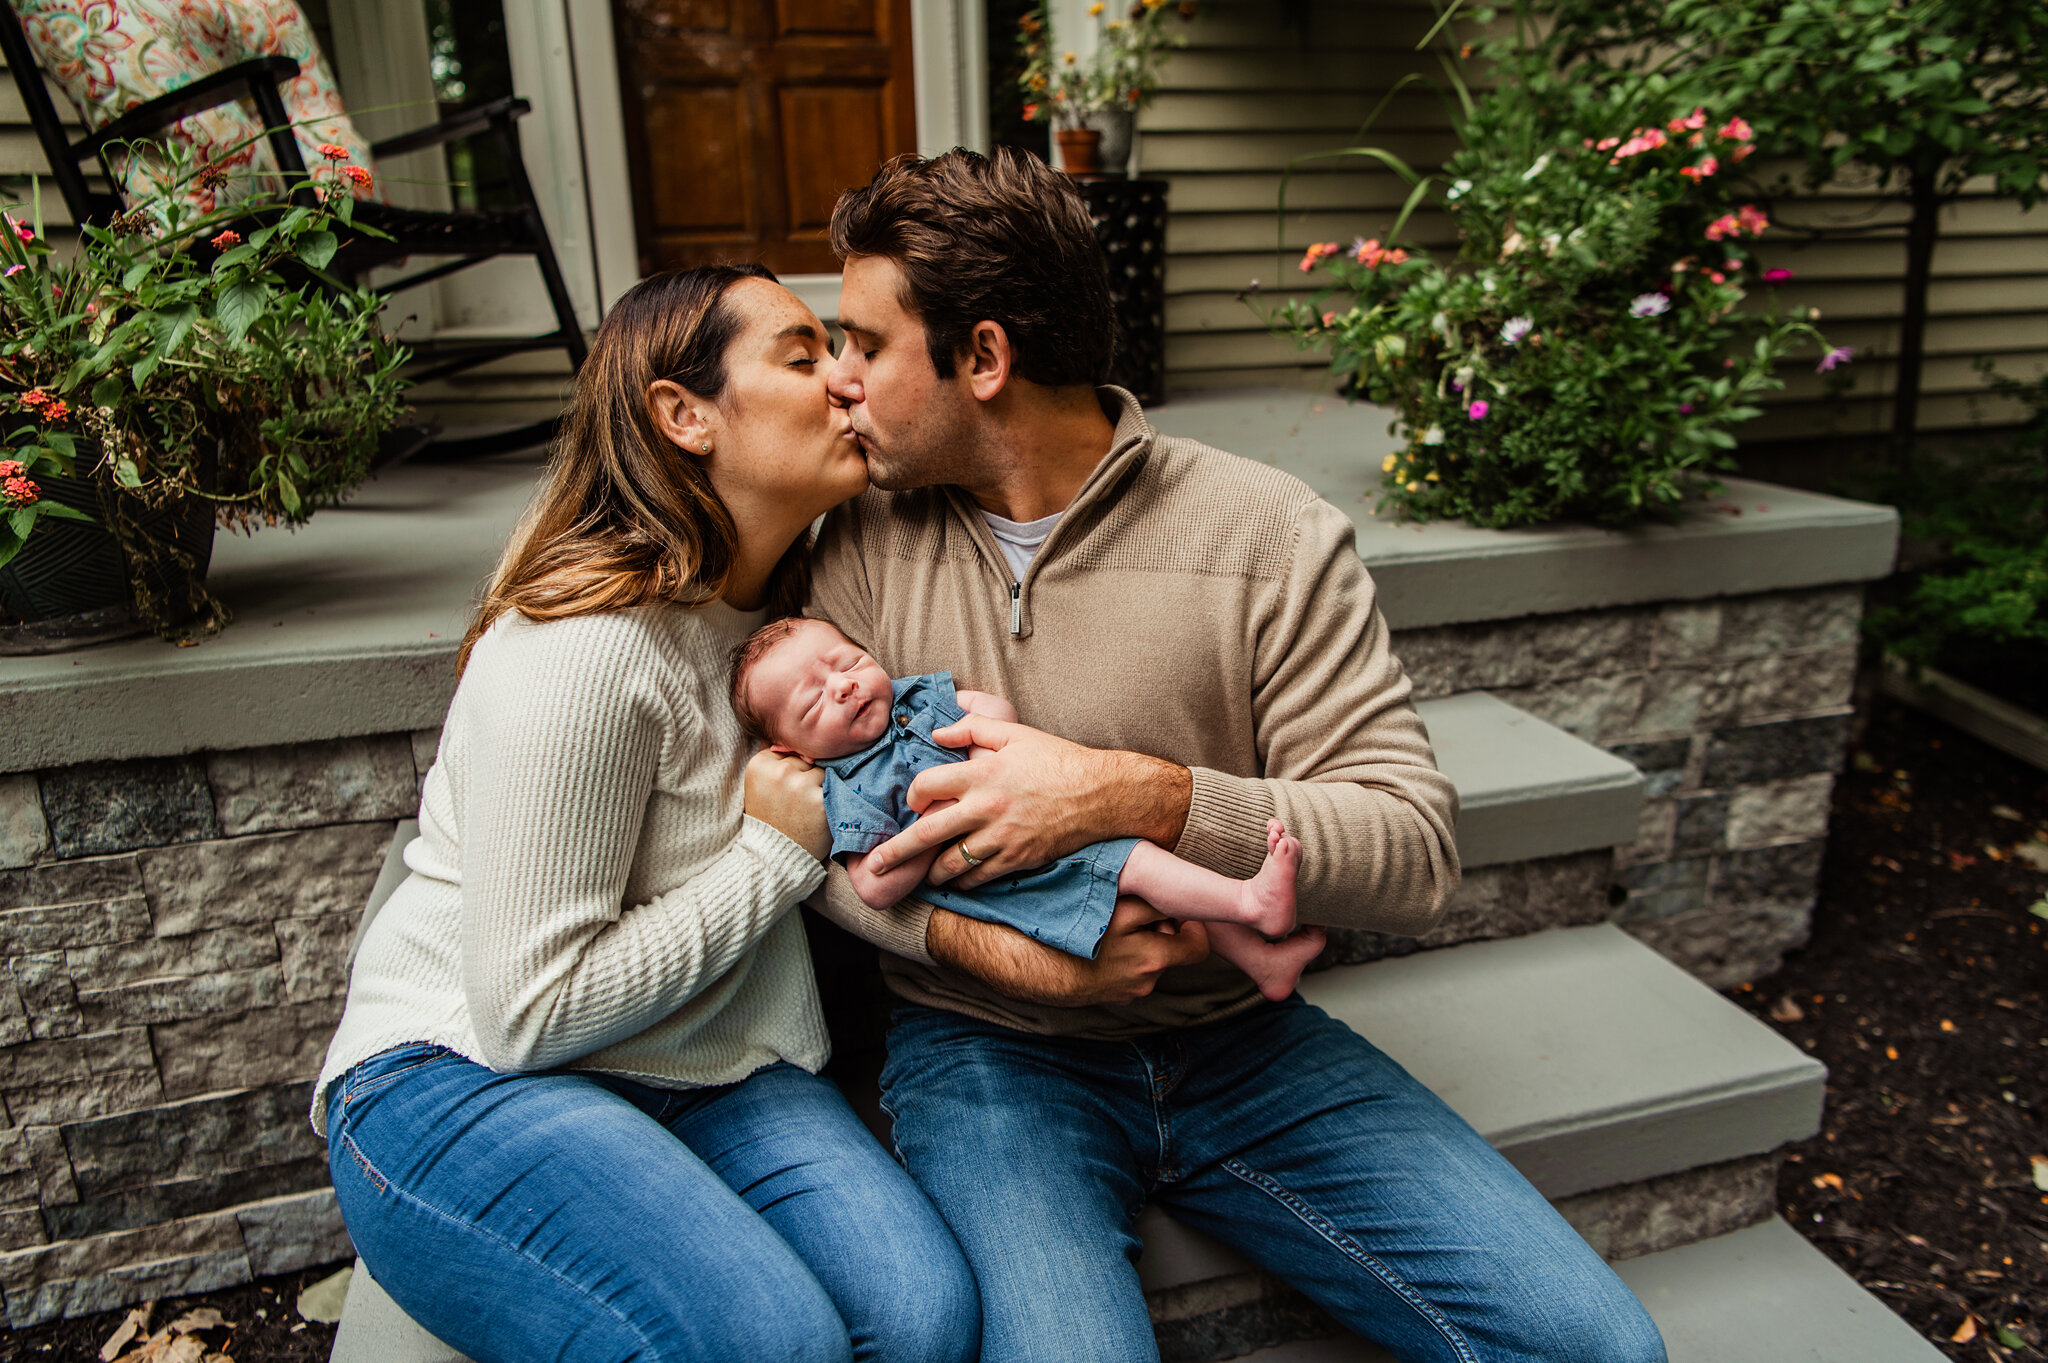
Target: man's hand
point(1030, 799)
point(1139, 944)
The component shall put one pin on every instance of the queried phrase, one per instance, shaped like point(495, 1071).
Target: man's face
point(915, 428)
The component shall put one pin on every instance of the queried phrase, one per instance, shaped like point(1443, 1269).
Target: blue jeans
point(1281, 1133)
point(572, 1216)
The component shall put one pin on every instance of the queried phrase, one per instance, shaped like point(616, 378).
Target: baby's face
point(818, 693)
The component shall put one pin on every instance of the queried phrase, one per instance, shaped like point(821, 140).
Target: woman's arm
point(568, 725)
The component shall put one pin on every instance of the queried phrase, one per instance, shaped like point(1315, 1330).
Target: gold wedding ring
point(967, 856)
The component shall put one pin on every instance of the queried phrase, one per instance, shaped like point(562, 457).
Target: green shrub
point(1985, 518)
point(1583, 354)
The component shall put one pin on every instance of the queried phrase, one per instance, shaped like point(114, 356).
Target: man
point(1196, 645)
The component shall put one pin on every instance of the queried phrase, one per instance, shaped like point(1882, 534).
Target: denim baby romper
point(1065, 905)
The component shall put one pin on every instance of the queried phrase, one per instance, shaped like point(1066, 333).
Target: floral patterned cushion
point(111, 55)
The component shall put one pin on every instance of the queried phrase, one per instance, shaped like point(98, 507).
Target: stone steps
point(1760, 1295)
point(1628, 1092)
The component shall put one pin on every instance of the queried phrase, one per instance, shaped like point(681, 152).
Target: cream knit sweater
point(585, 891)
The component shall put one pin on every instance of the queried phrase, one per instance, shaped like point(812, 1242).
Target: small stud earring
point(707, 449)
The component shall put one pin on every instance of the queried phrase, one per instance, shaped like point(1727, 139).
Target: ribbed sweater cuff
point(900, 930)
point(783, 855)
point(1226, 826)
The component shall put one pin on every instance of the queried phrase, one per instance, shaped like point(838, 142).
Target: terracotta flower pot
point(1080, 150)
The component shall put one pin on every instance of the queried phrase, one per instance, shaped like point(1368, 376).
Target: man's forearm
point(1137, 796)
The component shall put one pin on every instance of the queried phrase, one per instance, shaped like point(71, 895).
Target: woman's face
point(781, 443)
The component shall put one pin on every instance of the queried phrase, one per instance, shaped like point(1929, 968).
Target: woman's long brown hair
point(625, 518)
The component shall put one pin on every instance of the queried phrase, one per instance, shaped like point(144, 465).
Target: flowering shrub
point(1583, 354)
point(162, 376)
point(1122, 72)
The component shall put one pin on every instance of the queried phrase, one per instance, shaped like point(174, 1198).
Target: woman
point(572, 1107)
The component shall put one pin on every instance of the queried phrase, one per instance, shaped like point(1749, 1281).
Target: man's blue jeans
point(1281, 1133)
point(577, 1217)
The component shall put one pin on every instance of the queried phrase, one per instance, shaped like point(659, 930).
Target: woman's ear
point(987, 359)
point(681, 416)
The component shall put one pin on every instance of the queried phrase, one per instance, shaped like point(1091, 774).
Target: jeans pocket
point(368, 1076)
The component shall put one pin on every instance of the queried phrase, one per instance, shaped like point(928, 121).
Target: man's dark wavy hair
point(1003, 238)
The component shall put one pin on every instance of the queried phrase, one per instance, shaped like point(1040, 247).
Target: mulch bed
point(1922, 990)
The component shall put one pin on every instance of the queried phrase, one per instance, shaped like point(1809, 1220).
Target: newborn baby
point(804, 686)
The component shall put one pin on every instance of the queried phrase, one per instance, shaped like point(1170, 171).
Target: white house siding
point(1250, 91)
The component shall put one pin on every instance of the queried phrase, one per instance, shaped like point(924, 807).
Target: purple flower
point(1515, 329)
point(1478, 410)
point(1685, 409)
point(1839, 355)
point(13, 270)
point(1776, 276)
point(1649, 305)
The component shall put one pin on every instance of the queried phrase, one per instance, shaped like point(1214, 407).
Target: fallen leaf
point(2007, 812)
point(323, 1301)
point(205, 1318)
point(1864, 762)
point(2039, 908)
point(1965, 1332)
point(1947, 1026)
point(2040, 1163)
point(2011, 1338)
point(135, 1324)
point(1828, 1181)
point(184, 1349)
point(1786, 1009)
point(2034, 854)
point(1891, 1052)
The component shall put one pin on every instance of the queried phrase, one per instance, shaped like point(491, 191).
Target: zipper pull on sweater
point(1016, 608)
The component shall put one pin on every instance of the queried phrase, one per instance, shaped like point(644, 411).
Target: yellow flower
point(1068, 59)
point(1415, 487)
point(1387, 464)
point(1095, 10)
point(1431, 477)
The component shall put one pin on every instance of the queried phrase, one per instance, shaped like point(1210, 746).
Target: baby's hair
point(749, 652)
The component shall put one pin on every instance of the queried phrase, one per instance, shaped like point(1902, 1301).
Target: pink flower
point(1752, 219)
point(11, 468)
point(1648, 139)
point(56, 411)
point(333, 152)
point(361, 177)
point(1717, 276)
point(1776, 276)
point(1316, 254)
point(1839, 355)
point(1329, 319)
point(1742, 153)
point(12, 270)
point(22, 230)
point(1735, 130)
point(1700, 171)
point(1685, 409)
point(226, 239)
point(1649, 305)
point(1607, 144)
point(1690, 122)
point(34, 397)
point(21, 490)
point(1478, 410)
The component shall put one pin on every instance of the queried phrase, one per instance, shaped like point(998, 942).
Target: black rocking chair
point(468, 237)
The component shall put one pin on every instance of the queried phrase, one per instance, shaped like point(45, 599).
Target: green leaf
point(9, 547)
point(2011, 1338)
point(317, 248)
point(288, 493)
point(63, 442)
point(66, 513)
point(239, 307)
point(136, 273)
point(2039, 908)
point(108, 391)
point(229, 259)
point(22, 520)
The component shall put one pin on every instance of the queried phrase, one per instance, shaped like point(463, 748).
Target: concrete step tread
point(1584, 1056)
point(1761, 1295)
point(1526, 788)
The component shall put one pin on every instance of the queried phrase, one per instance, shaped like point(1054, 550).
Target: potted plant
point(1586, 348)
point(1093, 104)
point(179, 370)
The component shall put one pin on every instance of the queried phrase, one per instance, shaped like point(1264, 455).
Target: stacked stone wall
point(1736, 711)
point(174, 934)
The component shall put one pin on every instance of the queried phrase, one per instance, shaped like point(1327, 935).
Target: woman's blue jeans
point(1280, 1132)
point(578, 1217)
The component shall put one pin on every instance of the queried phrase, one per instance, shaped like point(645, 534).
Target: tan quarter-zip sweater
point(1191, 605)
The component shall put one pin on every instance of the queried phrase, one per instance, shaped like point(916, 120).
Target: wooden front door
point(747, 118)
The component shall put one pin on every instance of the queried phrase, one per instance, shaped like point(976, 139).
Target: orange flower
point(21, 490)
point(226, 240)
point(358, 174)
point(333, 152)
point(56, 411)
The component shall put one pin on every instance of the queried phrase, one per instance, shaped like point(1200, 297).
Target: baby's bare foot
point(1268, 897)
point(1275, 967)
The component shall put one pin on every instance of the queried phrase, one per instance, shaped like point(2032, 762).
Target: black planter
point(69, 585)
